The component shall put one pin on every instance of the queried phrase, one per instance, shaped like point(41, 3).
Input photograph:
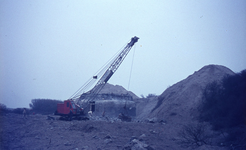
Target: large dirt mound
point(113, 100)
point(179, 102)
point(117, 90)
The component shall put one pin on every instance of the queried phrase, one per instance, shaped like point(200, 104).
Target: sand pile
point(179, 102)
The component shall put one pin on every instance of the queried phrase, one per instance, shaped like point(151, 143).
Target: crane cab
point(68, 107)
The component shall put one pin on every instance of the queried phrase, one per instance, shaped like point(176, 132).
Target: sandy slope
point(179, 102)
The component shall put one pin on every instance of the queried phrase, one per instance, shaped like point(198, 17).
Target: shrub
point(3, 109)
point(224, 105)
point(194, 135)
point(151, 95)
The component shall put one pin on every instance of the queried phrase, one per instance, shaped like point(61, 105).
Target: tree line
point(44, 106)
point(37, 106)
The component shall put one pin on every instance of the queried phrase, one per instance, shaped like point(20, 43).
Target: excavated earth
point(39, 133)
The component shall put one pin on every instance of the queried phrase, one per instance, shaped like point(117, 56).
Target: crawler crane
point(82, 98)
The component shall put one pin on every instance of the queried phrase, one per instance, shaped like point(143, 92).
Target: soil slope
point(179, 102)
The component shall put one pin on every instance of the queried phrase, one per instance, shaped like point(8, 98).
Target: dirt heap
point(113, 100)
point(179, 102)
point(117, 90)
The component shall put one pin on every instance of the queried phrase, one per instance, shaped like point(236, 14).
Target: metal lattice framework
point(106, 73)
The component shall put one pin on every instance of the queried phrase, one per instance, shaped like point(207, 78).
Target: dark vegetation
point(3, 109)
point(195, 135)
point(44, 106)
point(40, 106)
point(224, 107)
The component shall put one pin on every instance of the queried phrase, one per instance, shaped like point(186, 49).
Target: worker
point(90, 113)
point(24, 113)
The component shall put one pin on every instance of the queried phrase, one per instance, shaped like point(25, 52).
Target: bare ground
point(38, 133)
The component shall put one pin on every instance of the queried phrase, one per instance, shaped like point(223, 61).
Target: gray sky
point(51, 48)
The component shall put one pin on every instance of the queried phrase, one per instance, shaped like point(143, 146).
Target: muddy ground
point(38, 133)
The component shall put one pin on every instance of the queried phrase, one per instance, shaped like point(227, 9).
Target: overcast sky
point(49, 49)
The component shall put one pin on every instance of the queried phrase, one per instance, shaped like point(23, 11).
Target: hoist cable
point(125, 107)
point(99, 74)
point(131, 68)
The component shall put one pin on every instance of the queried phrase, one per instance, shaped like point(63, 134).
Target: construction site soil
point(36, 132)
